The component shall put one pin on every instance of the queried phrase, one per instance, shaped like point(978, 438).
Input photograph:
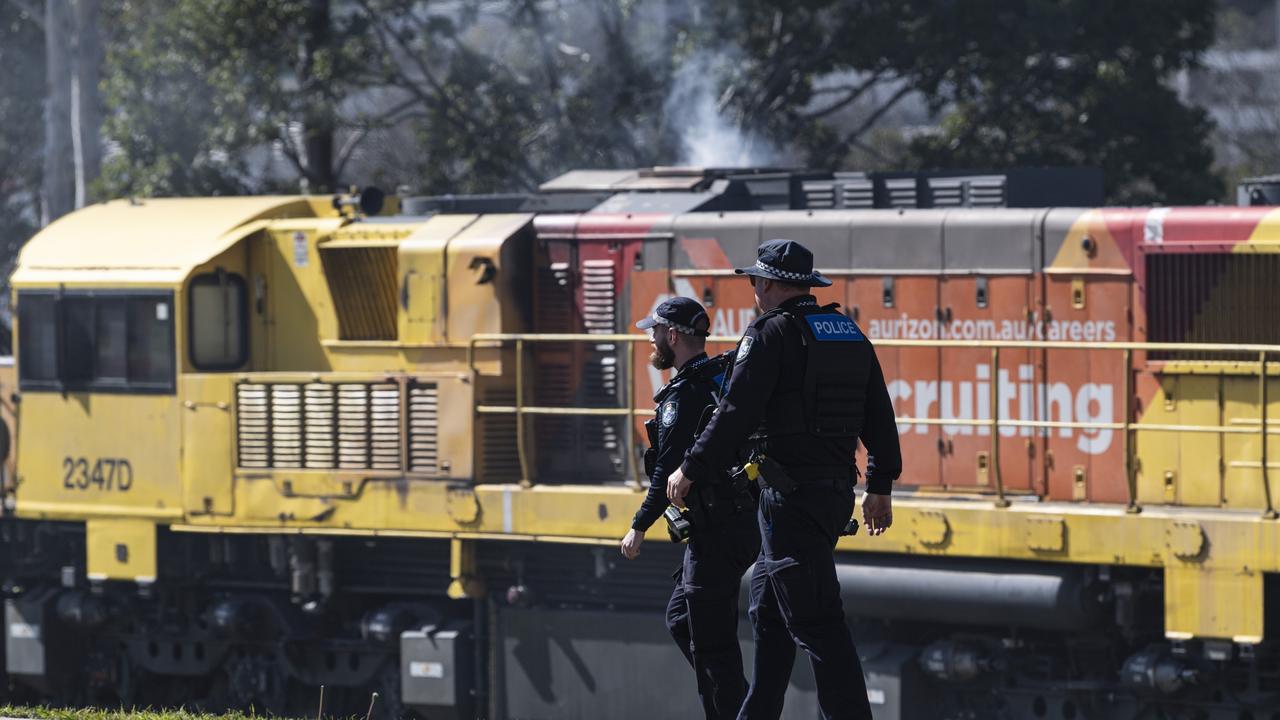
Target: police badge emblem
point(743, 348)
point(668, 413)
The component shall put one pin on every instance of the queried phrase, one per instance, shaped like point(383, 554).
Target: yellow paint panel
point(1243, 485)
point(299, 310)
point(1180, 468)
point(121, 550)
point(1199, 476)
point(207, 442)
point(1156, 454)
point(423, 285)
point(481, 269)
point(1213, 603)
point(1266, 231)
point(1105, 255)
point(117, 453)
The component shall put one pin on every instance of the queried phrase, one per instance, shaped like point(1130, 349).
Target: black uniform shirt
point(771, 358)
point(681, 404)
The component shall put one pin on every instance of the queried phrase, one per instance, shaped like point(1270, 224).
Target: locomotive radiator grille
point(286, 426)
point(499, 458)
point(1229, 298)
point(253, 432)
point(384, 427)
point(326, 426)
point(424, 425)
point(601, 373)
point(364, 286)
point(320, 446)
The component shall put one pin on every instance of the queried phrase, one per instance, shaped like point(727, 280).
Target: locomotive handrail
point(498, 338)
point(1127, 427)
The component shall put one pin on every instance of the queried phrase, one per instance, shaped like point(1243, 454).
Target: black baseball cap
point(680, 314)
point(785, 260)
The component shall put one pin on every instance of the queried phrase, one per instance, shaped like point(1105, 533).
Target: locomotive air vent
point(324, 426)
point(364, 286)
point(601, 373)
point(819, 194)
point(1229, 298)
point(858, 193)
point(846, 190)
point(499, 457)
point(979, 191)
point(424, 426)
point(901, 192)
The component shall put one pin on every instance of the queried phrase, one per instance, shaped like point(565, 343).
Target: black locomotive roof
point(681, 190)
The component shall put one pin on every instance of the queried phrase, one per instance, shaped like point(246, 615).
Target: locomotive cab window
point(218, 322)
point(99, 341)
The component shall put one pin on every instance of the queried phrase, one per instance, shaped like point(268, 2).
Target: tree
point(72, 107)
point(201, 87)
point(212, 96)
point(21, 129)
point(490, 96)
point(1015, 83)
point(1077, 83)
point(503, 96)
point(58, 193)
point(878, 49)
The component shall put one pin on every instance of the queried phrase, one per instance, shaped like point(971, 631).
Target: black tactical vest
point(712, 373)
point(831, 400)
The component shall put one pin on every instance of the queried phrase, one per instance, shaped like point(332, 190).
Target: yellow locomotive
point(267, 444)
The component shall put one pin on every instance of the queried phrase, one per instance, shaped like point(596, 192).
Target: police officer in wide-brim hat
point(805, 388)
point(702, 615)
point(785, 261)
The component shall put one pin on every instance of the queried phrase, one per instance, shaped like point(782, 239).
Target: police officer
point(702, 615)
point(806, 386)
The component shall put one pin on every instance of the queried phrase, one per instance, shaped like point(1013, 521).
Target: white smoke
point(697, 111)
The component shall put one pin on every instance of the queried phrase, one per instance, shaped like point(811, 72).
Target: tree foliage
point(235, 96)
point(1077, 83)
point(509, 93)
point(878, 50)
point(1013, 82)
point(21, 50)
point(208, 92)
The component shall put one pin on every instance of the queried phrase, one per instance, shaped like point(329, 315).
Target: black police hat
point(680, 314)
point(785, 260)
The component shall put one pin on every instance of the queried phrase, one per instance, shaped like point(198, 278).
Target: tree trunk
point(58, 193)
point(87, 119)
point(319, 121)
point(318, 144)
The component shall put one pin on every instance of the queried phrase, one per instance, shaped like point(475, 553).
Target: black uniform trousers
point(795, 600)
point(702, 615)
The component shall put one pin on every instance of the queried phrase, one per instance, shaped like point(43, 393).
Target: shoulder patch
point(668, 413)
point(834, 327)
point(744, 348)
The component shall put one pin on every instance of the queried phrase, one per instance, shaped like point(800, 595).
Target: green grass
point(50, 713)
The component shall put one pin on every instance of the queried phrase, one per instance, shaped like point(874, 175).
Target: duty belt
point(820, 473)
point(769, 474)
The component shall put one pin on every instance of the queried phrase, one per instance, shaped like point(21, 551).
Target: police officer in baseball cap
point(805, 388)
point(702, 614)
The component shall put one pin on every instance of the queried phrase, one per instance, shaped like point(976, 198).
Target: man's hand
point(877, 513)
point(631, 544)
point(677, 488)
